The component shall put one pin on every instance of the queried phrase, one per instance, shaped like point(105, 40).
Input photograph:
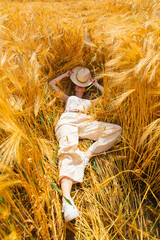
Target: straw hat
point(81, 76)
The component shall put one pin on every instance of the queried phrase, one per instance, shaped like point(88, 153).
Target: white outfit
point(74, 125)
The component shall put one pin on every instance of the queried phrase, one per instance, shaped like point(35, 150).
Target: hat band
point(80, 80)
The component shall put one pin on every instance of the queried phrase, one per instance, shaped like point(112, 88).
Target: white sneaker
point(69, 209)
point(81, 154)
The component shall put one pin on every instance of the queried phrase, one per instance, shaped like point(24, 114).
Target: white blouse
point(74, 103)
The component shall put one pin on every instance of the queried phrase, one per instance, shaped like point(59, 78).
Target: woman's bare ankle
point(88, 154)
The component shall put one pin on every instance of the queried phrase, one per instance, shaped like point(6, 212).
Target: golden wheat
point(119, 41)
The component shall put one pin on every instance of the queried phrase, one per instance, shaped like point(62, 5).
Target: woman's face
point(79, 91)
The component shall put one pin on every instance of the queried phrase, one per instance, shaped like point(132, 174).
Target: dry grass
point(119, 41)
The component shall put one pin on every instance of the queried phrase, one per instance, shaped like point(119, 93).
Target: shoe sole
point(72, 216)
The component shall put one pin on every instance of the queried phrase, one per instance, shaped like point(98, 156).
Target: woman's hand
point(53, 82)
point(68, 73)
point(94, 82)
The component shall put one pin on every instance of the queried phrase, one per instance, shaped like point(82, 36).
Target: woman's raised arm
point(97, 85)
point(54, 81)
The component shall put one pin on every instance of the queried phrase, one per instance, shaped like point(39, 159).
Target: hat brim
point(75, 81)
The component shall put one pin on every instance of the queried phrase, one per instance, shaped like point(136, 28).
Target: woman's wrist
point(64, 75)
point(97, 85)
point(58, 79)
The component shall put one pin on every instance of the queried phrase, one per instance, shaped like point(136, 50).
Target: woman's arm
point(53, 83)
point(97, 85)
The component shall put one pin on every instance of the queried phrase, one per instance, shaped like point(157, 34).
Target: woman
point(73, 124)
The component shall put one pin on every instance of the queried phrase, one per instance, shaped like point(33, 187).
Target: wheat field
point(119, 41)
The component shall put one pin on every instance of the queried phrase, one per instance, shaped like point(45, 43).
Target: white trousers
point(105, 136)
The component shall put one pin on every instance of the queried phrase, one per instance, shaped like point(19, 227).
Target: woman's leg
point(66, 186)
point(105, 136)
point(67, 136)
point(70, 162)
point(71, 169)
point(68, 207)
point(89, 154)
